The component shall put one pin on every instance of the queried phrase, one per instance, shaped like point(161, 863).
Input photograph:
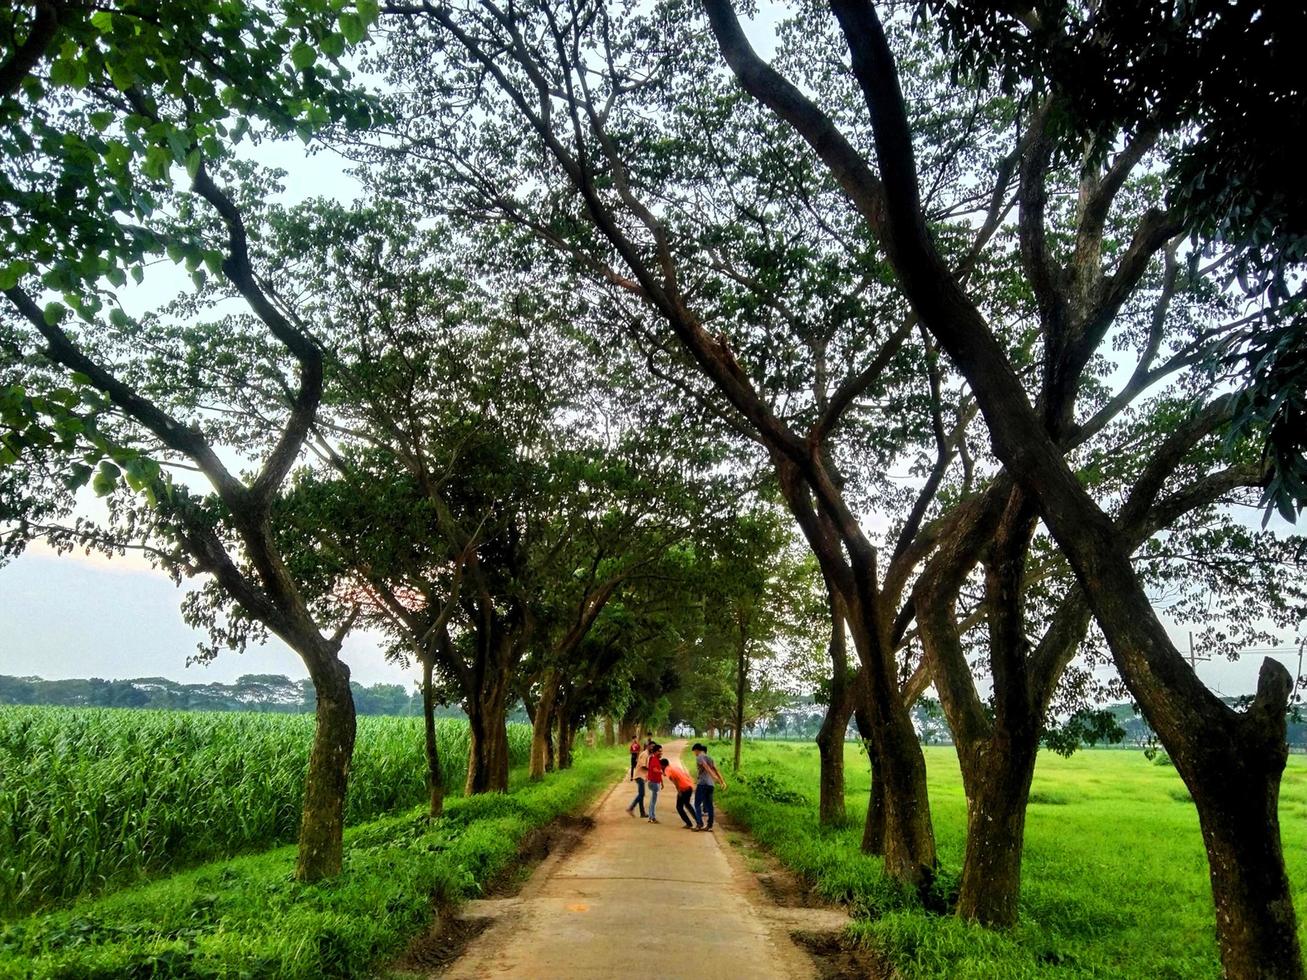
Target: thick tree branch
point(44, 24)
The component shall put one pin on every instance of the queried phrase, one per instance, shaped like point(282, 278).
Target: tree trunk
point(540, 722)
point(435, 778)
point(830, 737)
point(873, 830)
point(909, 838)
point(322, 825)
point(741, 680)
point(610, 736)
point(830, 751)
point(1256, 924)
point(998, 778)
point(848, 561)
point(487, 764)
point(997, 749)
point(566, 733)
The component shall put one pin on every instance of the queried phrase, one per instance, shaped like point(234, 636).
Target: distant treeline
point(251, 692)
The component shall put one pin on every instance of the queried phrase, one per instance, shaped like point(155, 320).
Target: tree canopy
point(919, 356)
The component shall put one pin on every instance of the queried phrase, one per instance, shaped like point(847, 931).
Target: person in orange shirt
point(684, 791)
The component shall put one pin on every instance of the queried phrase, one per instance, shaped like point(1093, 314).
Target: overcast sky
point(88, 616)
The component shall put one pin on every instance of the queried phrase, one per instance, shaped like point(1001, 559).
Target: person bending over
point(679, 778)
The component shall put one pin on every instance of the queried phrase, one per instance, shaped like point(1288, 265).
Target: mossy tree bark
point(487, 711)
point(321, 840)
point(566, 735)
point(541, 721)
point(435, 776)
point(830, 737)
point(487, 754)
point(741, 679)
point(873, 828)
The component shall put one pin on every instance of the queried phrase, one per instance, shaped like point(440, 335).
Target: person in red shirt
point(655, 780)
point(679, 778)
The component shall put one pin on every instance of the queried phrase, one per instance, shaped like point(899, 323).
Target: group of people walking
point(649, 769)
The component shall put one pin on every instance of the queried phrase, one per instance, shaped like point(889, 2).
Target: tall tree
point(117, 125)
point(788, 370)
point(477, 480)
point(1231, 761)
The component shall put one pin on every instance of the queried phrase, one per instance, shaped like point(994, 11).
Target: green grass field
point(1115, 877)
point(246, 917)
point(94, 797)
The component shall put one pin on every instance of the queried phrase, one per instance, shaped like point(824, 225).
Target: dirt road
point(641, 901)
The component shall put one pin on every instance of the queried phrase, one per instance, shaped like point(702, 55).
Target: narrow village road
point(641, 901)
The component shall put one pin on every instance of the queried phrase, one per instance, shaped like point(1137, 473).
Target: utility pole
point(1194, 657)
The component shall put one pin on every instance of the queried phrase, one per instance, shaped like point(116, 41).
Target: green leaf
point(106, 478)
point(79, 474)
point(303, 55)
point(69, 427)
point(352, 26)
point(11, 273)
point(369, 10)
point(54, 312)
point(156, 162)
point(213, 260)
point(62, 71)
point(137, 474)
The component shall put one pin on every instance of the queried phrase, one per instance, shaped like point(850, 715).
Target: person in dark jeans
point(703, 791)
point(654, 780)
point(641, 770)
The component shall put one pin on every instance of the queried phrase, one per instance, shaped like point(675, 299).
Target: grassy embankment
point(1115, 877)
point(246, 917)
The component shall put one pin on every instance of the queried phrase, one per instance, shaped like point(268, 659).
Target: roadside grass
point(246, 917)
point(1114, 874)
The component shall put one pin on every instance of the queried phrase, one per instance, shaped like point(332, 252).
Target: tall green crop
point(92, 796)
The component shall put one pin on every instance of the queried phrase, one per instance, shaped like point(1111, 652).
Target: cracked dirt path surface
point(601, 909)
